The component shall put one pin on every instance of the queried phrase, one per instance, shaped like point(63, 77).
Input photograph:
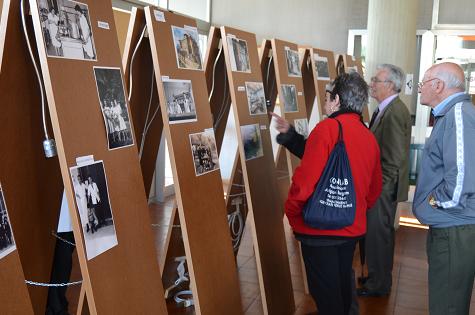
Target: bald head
point(452, 75)
point(443, 80)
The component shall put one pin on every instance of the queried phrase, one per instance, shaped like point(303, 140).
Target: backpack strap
point(340, 130)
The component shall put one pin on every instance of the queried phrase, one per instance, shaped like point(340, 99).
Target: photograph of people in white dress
point(114, 107)
point(7, 242)
point(92, 199)
point(67, 31)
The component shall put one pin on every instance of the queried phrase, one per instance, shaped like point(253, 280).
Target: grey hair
point(352, 90)
point(451, 81)
point(395, 75)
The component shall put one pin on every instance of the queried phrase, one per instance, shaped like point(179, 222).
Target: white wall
point(319, 23)
point(457, 12)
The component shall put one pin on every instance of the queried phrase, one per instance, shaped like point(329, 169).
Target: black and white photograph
point(7, 242)
point(67, 31)
point(180, 102)
point(256, 98)
point(187, 48)
point(301, 126)
point(205, 152)
point(321, 67)
point(110, 89)
point(351, 69)
point(251, 139)
point(92, 199)
point(292, 58)
point(239, 54)
point(290, 98)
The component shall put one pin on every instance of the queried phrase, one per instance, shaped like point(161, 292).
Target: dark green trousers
point(451, 257)
point(380, 243)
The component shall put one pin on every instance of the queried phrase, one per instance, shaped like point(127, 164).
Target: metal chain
point(164, 225)
point(41, 284)
point(62, 239)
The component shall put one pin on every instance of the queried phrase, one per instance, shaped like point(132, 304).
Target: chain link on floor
point(41, 284)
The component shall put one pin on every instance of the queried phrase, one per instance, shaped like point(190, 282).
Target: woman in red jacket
point(328, 254)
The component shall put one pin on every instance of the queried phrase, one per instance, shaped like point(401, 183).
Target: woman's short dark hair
point(352, 89)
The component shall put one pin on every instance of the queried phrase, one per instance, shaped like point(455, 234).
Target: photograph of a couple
point(92, 199)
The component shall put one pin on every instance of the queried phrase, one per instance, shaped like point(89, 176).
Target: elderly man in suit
point(391, 125)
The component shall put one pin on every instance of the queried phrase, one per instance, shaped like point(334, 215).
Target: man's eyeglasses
point(376, 80)
point(421, 84)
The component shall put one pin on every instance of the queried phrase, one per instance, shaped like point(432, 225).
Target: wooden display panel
point(280, 51)
point(260, 181)
point(266, 58)
point(126, 277)
point(319, 80)
point(311, 99)
point(144, 91)
point(210, 259)
point(31, 183)
point(220, 104)
point(282, 72)
point(355, 63)
point(144, 87)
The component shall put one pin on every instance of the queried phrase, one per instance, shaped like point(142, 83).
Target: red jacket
point(363, 153)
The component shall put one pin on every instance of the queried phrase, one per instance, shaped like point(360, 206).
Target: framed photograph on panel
point(110, 89)
point(66, 28)
point(321, 66)
point(92, 200)
point(180, 102)
point(292, 58)
point(251, 139)
point(7, 242)
point(256, 98)
point(301, 126)
point(205, 152)
point(239, 54)
point(290, 98)
point(187, 48)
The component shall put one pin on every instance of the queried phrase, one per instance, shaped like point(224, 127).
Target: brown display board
point(288, 73)
point(144, 97)
point(322, 75)
point(255, 149)
point(126, 276)
point(308, 81)
point(266, 58)
point(199, 190)
point(31, 183)
point(220, 105)
point(354, 64)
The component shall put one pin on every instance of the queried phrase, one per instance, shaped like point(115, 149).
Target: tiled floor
point(408, 295)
